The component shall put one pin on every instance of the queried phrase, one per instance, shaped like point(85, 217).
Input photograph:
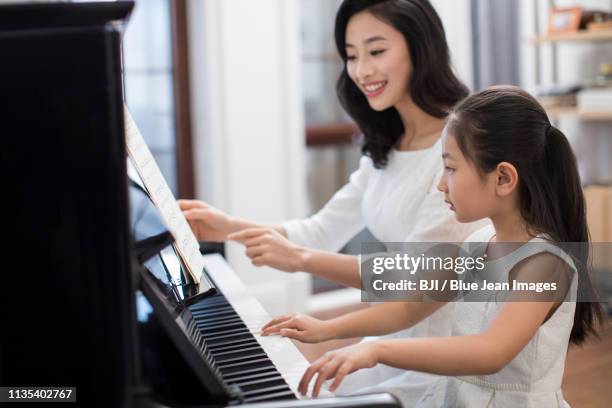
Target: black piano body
point(83, 304)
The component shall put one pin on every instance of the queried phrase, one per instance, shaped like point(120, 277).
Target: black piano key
point(237, 378)
point(245, 364)
point(227, 339)
point(213, 310)
point(221, 327)
point(212, 345)
point(236, 350)
point(231, 359)
point(249, 371)
point(255, 383)
point(206, 321)
point(221, 315)
point(234, 346)
point(264, 388)
point(200, 308)
point(281, 395)
point(210, 301)
point(229, 333)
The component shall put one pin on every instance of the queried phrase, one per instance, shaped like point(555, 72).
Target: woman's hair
point(506, 124)
point(433, 86)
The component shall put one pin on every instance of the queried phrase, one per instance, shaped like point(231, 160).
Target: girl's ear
point(506, 179)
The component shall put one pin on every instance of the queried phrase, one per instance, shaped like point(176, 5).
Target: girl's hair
point(506, 124)
point(433, 86)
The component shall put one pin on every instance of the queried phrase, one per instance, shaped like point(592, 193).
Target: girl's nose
point(442, 184)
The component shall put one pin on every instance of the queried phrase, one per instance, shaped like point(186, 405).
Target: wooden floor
point(587, 382)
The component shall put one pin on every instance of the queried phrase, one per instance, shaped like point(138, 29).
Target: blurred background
point(237, 101)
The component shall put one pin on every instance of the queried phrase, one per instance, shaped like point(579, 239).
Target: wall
point(248, 124)
point(456, 18)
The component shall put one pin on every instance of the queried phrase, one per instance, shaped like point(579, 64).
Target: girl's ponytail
point(570, 223)
point(562, 170)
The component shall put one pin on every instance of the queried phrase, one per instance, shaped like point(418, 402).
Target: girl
point(504, 161)
point(398, 86)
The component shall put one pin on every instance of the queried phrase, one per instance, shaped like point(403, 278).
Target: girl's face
point(471, 196)
point(378, 60)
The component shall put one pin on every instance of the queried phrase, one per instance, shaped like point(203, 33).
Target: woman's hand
point(268, 247)
point(206, 222)
point(300, 327)
point(338, 364)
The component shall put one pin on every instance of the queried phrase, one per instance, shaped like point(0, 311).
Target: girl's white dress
point(533, 378)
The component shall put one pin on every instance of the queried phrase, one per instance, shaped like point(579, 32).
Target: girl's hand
point(206, 222)
point(300, 327)
point(337, 364)
point(268, 247)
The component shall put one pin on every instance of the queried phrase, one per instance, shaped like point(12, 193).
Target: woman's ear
point(506, 179)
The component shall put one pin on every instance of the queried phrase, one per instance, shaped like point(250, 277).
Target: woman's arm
point(266, 246)
point(211, 224)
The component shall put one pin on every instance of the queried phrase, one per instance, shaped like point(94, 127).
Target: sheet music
point(186, 244)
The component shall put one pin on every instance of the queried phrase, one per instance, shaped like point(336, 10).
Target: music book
point(186, 243)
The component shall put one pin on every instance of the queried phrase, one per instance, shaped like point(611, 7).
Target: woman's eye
point(351, 58)
point(376, 52)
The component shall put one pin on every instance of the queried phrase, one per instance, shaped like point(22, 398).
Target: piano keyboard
point(265, 367)
point(239, 357)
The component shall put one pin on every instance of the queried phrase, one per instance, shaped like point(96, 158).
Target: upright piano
point(94, 294)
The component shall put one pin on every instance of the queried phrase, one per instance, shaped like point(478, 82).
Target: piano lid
point(21, 16)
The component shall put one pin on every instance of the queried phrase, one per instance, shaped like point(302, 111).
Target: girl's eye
point(376, 52)
point(351, 58)
point(449, 169)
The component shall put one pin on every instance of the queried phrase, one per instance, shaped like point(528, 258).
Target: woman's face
point(378, 60)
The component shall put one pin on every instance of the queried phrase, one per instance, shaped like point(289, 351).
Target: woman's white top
point(399, 203)
point(533, 378)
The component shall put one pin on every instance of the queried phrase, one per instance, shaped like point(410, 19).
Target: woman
point(398, 86)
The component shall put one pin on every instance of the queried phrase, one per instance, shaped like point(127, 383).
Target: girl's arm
point(478, 354)
point(514, 326)
point(373, 321)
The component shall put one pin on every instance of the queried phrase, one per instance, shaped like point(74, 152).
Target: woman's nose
point(364, 69)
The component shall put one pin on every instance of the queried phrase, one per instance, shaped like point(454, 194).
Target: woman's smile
point(373, 89)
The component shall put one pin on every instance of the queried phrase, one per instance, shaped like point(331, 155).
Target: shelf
point(578, 36)
point(604, 114)
point(331, 134)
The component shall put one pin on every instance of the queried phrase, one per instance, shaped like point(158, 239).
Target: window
point(148, 67)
